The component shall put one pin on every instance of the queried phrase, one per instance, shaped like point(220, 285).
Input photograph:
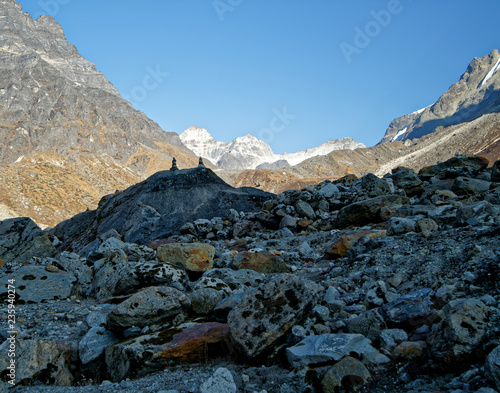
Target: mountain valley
point(339, 268)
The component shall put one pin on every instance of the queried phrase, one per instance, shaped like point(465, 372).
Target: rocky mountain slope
point(58, 111)
point(475, 94)
point(249, 152)
point(52, 99)
point(50, 187)
point(374, 284)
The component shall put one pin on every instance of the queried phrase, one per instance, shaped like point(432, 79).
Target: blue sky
point(292, 72)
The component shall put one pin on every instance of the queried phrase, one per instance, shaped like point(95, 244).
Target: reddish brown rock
point(304, 224)
point(260, 262)
point(340, 247)
point(199, 343)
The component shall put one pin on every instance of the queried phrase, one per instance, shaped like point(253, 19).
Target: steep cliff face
point(52, 99)
point(475, 94)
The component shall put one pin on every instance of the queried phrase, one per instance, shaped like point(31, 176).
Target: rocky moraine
point(361, 284)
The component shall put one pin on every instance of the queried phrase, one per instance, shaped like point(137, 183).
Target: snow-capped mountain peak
point(249, 152)
point(197, 134)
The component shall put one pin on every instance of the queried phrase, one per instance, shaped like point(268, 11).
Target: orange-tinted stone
point(199, 343)
point(260, 262)
point(195, 257)
point(340, 247)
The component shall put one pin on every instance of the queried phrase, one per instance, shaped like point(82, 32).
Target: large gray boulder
point(408, 181)
point(238, 280)
point(108, 272)
point(495, 172)
point(134, 357)
point(79, 267)
point(411, 310)
point(368, 187)
point(266, 315)
point(35, 284)
point(348, 373)
point(366, 211)
point(492, 367)
point(460, 165)
point(221, 381)
point(39, 360)
point(94, 343)
point(330, 348)
point(153, 305)
point(158, 207)
point(21, 239)
point(455, 339)
point(152, 273)
point(475, 213)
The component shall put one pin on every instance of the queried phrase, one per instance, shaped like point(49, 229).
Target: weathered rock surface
point(48, 361)
point(195, 257)
point(265, 315)
point(413, 294)
point(492, 367)
point(158, 206)
point(366, 212)
point(204, 300)
point(153, 305)
point(330, 348)
point(460, 332)
point(370, 324)
point(260, 262)
point(21, 239)
point(37, 284)
point(413, 309)
point(134, 357)
point(94, 343)
point(348, 373)
point(152, 273)
point(108, 272)
point(221, 382)
point(199, 343)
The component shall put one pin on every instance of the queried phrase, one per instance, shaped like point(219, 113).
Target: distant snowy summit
point(249, 152)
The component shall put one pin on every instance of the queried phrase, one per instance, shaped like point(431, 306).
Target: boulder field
point(360, 284)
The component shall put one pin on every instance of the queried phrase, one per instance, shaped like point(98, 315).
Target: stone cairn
point(174, 165)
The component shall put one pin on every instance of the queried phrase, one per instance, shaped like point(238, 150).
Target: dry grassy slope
point(481, 136)
point(49, 187)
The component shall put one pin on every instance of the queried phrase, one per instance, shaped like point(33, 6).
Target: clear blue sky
point(232, 64)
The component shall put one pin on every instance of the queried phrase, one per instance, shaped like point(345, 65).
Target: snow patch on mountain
point(399, 134)
point(249, 152)
point(421, 110)
point(322, 150)
point(488, 76)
